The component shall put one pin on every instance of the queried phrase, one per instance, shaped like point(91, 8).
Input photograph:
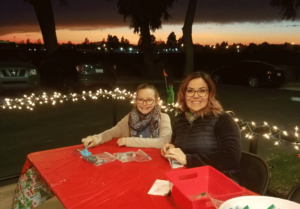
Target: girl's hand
point(89, 142)
point(177, 154)
point(121, 142)
point(165, 149)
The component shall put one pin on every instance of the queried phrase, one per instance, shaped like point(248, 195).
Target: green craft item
point(170, 93)
point(271, 207)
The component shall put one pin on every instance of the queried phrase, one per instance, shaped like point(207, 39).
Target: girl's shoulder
point(164, 116)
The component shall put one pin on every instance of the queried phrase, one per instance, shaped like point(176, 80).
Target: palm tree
point(44, 12)
point(187, 37)
point(288, 7)
point(145, 16)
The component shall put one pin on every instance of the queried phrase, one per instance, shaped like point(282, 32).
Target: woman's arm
point(164, 136)
point(228, 156)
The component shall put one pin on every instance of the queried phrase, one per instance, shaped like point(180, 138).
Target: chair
point(294, 194)
point(255, 173)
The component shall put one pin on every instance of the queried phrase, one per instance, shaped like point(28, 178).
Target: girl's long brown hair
point(213, 107)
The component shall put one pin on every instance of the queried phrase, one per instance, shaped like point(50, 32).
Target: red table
point(79, 184)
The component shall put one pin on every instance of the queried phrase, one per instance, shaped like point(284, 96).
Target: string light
point(266, 131)
point(30, 101)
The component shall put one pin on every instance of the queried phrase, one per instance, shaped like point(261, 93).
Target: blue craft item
point(85, 152)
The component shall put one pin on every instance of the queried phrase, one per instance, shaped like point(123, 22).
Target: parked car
point(253, 73)
point(19, 76)
point(70, 70)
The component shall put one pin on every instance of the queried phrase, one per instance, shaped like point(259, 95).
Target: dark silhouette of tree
point(252, 47)
point(38, 41)
point(160, 44)
point(44, 12)
point(187, 33)
point(171, 40)
point(145, 15)
point(28, 41)
point(122, 40)
point(288, 8)
point(112, 41)
point(115, 40)
point(109, 39)
point(86, 41)
point(22, 42)
point(126, 41)
point(180, 41)
point(224, 44)
point(152, 40)
point(70, 43)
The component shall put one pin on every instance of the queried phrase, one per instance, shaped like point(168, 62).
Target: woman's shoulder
point(225, 116)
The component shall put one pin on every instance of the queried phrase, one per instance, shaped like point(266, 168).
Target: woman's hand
point(89, 142)
point(165, 149)
point(177, 154)
point(121, 142)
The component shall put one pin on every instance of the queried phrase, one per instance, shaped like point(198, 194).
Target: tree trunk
point(188, 40)
point(44, 12)
point(146, 46)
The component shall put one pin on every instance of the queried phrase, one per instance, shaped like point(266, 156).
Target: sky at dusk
point(235, 21)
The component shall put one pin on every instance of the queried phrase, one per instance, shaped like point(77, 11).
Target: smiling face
point(145, 100)
point(196, 103)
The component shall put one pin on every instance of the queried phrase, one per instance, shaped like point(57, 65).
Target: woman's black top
point(212, 140)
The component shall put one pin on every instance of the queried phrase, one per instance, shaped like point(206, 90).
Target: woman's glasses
point(201, 92)
point(148, 101)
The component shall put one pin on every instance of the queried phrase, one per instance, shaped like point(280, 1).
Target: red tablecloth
point(79, 184)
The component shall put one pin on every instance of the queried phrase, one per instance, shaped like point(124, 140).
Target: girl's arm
point(117, 131)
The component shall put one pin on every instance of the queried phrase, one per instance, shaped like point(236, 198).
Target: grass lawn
point(285, 171)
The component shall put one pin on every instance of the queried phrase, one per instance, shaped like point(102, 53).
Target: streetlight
point(237, 46)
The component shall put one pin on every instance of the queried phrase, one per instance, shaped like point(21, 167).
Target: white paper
point(160, 187)
point(175, 164)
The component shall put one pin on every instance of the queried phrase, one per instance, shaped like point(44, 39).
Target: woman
point(144, 126)
point(203, 133)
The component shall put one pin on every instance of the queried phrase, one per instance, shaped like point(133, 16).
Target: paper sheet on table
point(175, 163)
point(160, 187)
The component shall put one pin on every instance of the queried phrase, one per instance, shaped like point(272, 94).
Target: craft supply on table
point(161, 188)
point(99, 159)
point(174, 163)
point(138, 156)
point(85, 152)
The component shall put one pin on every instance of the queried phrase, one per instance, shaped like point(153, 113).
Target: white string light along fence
point(266, 131)
point(30, 102)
